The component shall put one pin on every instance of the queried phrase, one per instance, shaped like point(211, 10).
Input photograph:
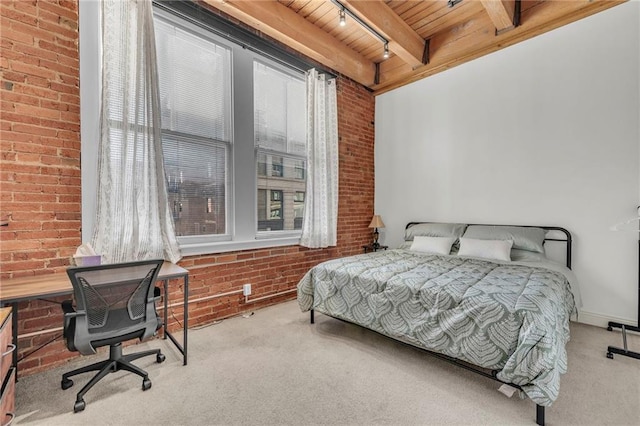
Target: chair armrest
point(67, 307)
point(69, 312)
point(157, 294)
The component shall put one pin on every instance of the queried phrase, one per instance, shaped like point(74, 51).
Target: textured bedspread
point(501, 316)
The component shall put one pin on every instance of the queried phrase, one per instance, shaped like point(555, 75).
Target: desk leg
point(186, 318)
point(166, 334)
point(14, 330)
point(166, 309)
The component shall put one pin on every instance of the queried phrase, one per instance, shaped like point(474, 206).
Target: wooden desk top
point(4, 314)
point(58, 284)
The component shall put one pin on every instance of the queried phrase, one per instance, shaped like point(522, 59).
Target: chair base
point(116, 362)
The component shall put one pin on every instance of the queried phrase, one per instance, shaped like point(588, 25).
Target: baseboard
point(599, 320)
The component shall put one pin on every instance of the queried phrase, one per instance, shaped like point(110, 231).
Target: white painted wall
point(545, 132)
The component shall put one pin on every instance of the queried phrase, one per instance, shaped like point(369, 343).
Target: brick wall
point(40, 184)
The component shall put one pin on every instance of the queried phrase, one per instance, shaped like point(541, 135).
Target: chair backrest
point(112, 301)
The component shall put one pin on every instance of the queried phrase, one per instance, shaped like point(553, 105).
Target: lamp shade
point(376, 222)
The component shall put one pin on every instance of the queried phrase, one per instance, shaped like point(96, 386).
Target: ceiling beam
point(501, 13)
point(403, 40)
point(470, 39)
point(293, 30)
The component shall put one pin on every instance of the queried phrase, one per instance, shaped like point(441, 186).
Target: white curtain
point(320, 224)
point(133, 217)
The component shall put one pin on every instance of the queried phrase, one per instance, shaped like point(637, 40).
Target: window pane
point(280, 135)
point(195, 94)
point(196, 175)
point(195, 83)
point(279, 110)
point(281, 186)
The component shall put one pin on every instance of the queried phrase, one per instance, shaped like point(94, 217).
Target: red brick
point(41, 92)
point(18, 36)
point(53, 47)
point(68, 9)
point(21, 67)
point(14, 77)
point(27, 50)
point(26, 6)
point(8, 245)
point(36, 111)
point(36, 130)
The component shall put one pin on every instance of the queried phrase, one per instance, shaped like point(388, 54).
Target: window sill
point(194, 249)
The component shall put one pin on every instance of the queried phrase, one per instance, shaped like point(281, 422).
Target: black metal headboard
point(568, 240)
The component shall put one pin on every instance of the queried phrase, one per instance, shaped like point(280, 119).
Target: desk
point(23, 289)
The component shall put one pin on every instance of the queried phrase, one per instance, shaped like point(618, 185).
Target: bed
point(486, 297)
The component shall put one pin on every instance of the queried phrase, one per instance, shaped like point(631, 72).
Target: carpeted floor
point(275, 368)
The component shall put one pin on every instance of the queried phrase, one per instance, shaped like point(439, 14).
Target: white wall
point(545, 132)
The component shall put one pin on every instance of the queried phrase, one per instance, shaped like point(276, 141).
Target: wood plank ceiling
point(424, 37)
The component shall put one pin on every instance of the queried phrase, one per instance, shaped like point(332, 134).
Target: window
point(276, 167)
point(234, 139)
point(280, 139)
point(212, 161)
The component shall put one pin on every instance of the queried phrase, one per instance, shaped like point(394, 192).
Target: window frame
point(244, 234)
point(238, 172)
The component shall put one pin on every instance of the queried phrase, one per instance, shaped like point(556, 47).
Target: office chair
point(114, 303)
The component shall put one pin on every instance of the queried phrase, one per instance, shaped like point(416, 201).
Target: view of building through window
point(280, 137)
point(281, 188)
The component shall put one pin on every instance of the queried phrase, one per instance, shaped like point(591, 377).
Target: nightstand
point(370, 247)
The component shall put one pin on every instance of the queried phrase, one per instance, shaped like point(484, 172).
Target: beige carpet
point(275, 368)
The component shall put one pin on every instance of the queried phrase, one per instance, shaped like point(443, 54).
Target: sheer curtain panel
point(319, 227)
point(133, 217)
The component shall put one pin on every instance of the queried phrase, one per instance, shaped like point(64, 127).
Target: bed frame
point(491, 374)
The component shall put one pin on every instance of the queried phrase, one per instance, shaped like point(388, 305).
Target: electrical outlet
point(246, 289)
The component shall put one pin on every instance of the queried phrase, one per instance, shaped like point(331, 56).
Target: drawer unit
point(8, 371)
point(8, 398)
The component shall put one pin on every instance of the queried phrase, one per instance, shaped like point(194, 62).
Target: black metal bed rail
point(568, 240)
point(490, 374)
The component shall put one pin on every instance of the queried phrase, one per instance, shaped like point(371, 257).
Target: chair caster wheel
point(79, 406)
point(609, 355)
point(146, 384)
point(66, 384)
point(160, 358)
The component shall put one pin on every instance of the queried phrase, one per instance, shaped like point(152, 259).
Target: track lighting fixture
point(343, 12)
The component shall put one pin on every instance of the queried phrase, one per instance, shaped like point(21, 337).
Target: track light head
point(343, 19)
point(386, 51)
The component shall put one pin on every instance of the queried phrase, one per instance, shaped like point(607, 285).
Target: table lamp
point(376, 223)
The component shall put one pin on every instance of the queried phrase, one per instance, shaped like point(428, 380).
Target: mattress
point(510, 317)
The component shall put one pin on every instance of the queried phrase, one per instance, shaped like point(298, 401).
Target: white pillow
point(437, 245)
point(487, 249)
